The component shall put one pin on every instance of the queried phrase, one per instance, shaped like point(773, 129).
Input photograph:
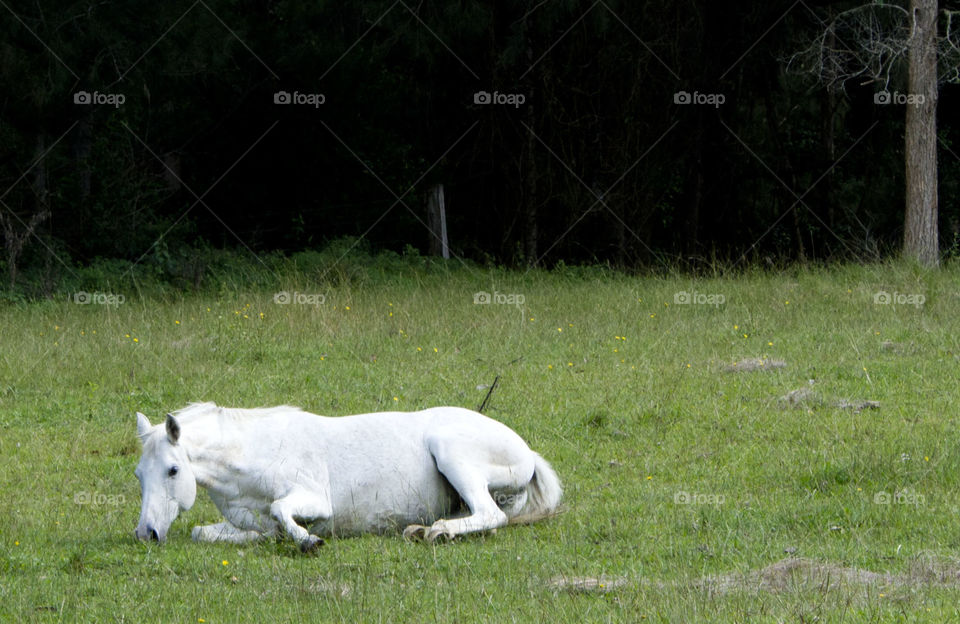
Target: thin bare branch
point(868, 44)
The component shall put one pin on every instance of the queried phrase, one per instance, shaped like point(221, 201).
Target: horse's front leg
point(223, 532)
point(306, 506)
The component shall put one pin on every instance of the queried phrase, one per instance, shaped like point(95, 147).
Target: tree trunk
point(920, 238)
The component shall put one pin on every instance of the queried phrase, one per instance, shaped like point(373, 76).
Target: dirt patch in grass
point(934, 572)
point(749, 365)
point(586, 584)
point(331, 587)
point(857, 405)
point(794, 574)
point(898, 348)
point(808, 574)
point(807, 398)
point(801, 398)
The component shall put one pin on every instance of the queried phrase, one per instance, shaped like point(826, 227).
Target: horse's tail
point(543, 494)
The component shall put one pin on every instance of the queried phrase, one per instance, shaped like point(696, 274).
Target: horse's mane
point(195, 411)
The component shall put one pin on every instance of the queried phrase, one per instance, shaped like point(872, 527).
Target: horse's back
point(416, 426)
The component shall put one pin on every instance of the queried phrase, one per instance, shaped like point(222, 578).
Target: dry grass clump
point(749, 365)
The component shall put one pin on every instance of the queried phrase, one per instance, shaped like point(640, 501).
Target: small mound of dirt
point(801, 397)
point(754, 364)
point(800, 574)
point(794, 574)
point(328, 586)
point(806, 398)
point(856, 405)
point(931, 571)
point(586, 584)
point(898, 348)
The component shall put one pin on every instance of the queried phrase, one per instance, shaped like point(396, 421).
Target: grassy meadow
point(697, 487)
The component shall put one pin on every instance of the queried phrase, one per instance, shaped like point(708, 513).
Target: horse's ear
point(143, 426)
point(173, 429)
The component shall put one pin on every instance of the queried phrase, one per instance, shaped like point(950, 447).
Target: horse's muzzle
point(148, 534)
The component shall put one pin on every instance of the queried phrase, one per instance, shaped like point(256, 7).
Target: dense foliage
point(588, 152)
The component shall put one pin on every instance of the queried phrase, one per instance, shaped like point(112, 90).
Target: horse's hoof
point(415, 532)
point(438, 532)
point(311, 544)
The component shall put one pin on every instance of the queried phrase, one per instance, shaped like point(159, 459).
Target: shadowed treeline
point(634, 133)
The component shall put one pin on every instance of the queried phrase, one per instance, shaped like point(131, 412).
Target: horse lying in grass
point(283, 469)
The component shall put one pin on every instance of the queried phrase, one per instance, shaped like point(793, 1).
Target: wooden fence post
point(437, 220)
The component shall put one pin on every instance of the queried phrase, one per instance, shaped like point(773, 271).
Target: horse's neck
point(209, 448)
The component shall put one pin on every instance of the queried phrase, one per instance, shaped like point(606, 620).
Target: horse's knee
point(207, 533)
point(223, 532)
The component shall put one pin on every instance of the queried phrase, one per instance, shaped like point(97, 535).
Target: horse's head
point(167, 483)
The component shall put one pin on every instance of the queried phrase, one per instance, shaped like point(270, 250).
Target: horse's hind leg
point(474, 470)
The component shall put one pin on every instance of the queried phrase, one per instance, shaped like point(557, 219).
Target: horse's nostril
point(154, 535)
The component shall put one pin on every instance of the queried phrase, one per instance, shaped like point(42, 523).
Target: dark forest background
point(599, 164)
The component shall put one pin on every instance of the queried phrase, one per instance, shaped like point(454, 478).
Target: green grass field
point(686, 479)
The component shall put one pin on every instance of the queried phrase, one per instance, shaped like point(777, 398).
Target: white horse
point(281, 468)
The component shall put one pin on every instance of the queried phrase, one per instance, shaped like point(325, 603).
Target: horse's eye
point(173, 471)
